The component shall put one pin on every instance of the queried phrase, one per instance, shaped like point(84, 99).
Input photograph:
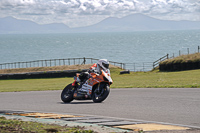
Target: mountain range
point(134, 22)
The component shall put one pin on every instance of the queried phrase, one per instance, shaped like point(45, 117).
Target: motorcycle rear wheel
point(97, 97)
point(67, 94)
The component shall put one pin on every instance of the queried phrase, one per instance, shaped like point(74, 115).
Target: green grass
point(17, 126)
point(34, 84)
point(154, 79)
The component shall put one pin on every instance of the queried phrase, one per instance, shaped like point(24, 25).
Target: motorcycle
point(97, 88)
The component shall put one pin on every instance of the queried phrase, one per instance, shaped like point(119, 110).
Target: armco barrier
point(49, 74)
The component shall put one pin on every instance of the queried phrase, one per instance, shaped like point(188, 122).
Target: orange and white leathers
point(95, 67)
point(96, 79)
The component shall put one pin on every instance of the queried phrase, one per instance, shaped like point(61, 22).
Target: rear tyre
point(67, 94)
point(98, 97)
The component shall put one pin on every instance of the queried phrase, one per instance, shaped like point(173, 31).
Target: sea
point(125, 47)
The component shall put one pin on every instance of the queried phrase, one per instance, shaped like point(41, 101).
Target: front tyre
point(67, 94)
point(99, 96)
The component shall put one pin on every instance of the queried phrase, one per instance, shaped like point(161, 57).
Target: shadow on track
point(77, 102)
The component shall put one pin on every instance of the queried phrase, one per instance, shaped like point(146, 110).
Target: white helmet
point(103, 63)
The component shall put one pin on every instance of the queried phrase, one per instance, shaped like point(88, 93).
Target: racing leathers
point(95, 68)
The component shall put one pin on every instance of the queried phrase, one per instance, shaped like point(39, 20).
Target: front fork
point(100, 89)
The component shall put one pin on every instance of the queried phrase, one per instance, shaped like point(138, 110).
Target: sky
point(79, 13)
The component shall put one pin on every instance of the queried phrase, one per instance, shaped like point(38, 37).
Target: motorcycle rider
point(95, 68)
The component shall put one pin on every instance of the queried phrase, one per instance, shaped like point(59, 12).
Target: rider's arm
point(92, 68)
point(96, 70)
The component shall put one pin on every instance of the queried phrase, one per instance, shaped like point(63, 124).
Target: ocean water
point(131, 47)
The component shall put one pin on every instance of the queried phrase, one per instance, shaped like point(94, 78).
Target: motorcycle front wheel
point(99, 96)
point(67, 94)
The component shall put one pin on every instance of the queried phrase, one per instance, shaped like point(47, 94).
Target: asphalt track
point(168, 105)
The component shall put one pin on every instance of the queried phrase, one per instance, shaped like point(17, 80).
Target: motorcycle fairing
point(87, 88)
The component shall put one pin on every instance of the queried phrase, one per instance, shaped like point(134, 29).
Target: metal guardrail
point(54, 62)
point(144, 66)
point(156, 63)
point(42, 63)
point(147, 66)
point(135, 67)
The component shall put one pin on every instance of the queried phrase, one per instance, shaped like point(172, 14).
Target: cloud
point(170, 6)
point(70, 6)
point(73, 11)
point(175, 9)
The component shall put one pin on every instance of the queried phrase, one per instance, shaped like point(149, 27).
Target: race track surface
point(169, 105)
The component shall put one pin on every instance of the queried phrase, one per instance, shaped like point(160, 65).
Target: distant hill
point(139, 22)
point(135, 22)
point(10, 25)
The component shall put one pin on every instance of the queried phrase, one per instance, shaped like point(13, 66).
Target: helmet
point(103, 63)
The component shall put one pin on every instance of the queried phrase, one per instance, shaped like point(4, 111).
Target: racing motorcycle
point(97, 88)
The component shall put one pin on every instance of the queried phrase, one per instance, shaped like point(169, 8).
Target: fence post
point(55, 62)
point(85, 60)
point(167, 56)
point(188, 50)
point(124, 66)
point(198, 49)
point(143, 67)
point(134, 67)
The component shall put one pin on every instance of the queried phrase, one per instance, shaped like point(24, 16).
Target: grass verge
point(18, 126)
point(183, 59)
point(153, 79)
point(156, 79)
